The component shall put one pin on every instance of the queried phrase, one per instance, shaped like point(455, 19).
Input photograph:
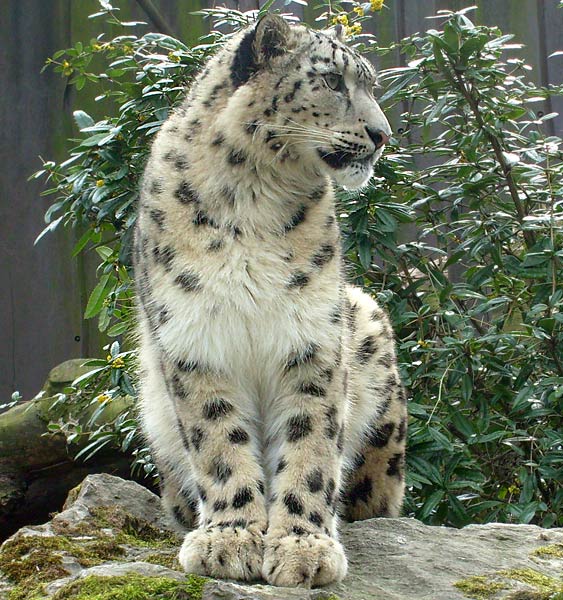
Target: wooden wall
point(43, 291)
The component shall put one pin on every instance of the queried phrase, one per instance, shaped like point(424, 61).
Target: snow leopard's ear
point(268, 39)
point(271, 39)
point(338, 32)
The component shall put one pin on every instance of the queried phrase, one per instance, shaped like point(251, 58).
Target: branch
point(497, 148)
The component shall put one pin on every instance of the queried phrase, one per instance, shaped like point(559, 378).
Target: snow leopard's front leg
point(302, 548)
point(229, 480)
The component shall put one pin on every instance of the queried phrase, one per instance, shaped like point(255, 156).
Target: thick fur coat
point(269, 390)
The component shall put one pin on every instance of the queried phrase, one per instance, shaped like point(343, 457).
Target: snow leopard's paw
point(303, 560)
point(224, 552)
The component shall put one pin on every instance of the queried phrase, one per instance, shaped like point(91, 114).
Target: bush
point(459, 236)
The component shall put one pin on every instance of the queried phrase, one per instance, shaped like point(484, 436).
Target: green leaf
point(399, 85)
point(88, 236)
point(466, 387)
point(364, 251)
point(98, 295)
point(86, 376)
point(430, 505)
point(118, 329)
point(461, 422)
point(50, 228)
point(82, 119)
point(451, 38)
point(472, 46)
point(104, 252)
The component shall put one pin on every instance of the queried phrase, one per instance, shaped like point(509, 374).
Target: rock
point(36, 468)
point(111, 528)
point(106, 490)
point(64, 374)
point(115, 570)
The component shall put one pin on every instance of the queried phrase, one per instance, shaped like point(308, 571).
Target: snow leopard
point(269, 389)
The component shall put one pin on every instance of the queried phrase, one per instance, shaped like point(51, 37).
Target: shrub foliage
point(459, 236)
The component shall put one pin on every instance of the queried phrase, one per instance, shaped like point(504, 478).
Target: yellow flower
point(67, 68)
point(513, 489)
point(103, 398)
point(376, 4)
point(359, 11)
point(354, 29)
point(97, 47)
point(173, 57)
point(109, 357)
point(100, 183)
point(340, 19)
point(117, 363)
point(423, 343)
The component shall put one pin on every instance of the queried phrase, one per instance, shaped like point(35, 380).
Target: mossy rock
point(127, 529)
point(107, 533)
point(479, 587)
point(164, 559)
point(110, 516)
point(40, 556)
point(547, 552)
point(546, 586)
point(132, 587)
point(31, 560)
point(64, 374)
point(132, 530)
point(541, 586)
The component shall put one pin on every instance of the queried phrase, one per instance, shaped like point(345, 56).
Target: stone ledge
point(111, 527)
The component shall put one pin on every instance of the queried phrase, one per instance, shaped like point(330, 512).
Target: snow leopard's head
point(301, 95)
point(317, 97)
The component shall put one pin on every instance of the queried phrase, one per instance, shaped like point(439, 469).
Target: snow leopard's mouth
point(339, 159)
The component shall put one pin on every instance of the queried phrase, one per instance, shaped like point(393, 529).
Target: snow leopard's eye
point(335, 81)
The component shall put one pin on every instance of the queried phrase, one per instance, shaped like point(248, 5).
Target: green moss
point(552, 551)
point(41, 556)
point(34, 556)
point(543, 586)
point(73, 495)
point(31, 560)
point(479, 587)
point(132, 587)
point(165, 559)
point(535, 579)
point(23, 592)
point(528, 595)
point(127, 529)
point(132, 530)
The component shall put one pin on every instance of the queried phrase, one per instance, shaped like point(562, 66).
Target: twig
point(497, 148)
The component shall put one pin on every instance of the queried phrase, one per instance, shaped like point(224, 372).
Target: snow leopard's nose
point(378, 137)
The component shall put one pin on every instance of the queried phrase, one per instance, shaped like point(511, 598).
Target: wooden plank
point(40, 305)
point(551, 30)
point(179, 14)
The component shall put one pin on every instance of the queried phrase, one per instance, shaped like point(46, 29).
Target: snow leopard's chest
point(259, 299)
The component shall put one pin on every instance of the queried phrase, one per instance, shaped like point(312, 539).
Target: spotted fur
point(269, 390)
